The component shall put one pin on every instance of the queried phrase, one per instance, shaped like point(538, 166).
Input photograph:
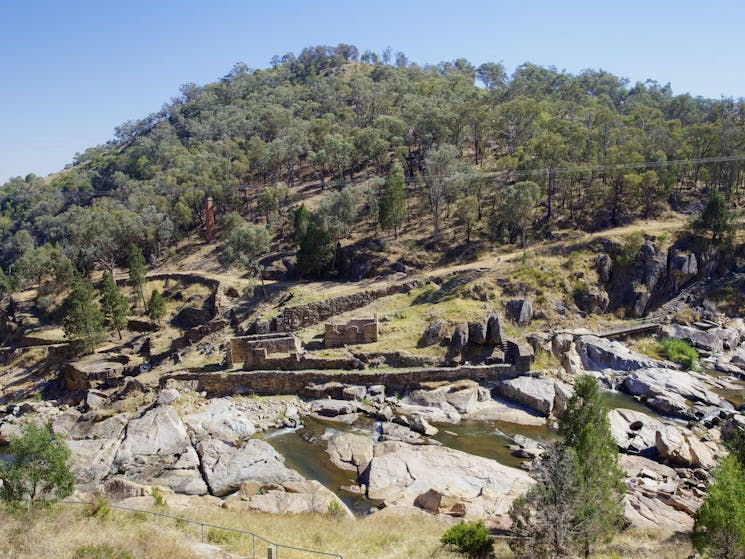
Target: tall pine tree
point(114, 304)
point(83, 322)
point(586, 431)
point(137, 272)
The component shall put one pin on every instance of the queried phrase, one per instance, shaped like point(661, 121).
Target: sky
point(72, 70)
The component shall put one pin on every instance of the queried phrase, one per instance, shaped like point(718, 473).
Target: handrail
point(203, 525)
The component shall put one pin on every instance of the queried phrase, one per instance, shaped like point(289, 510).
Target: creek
point(304, 451)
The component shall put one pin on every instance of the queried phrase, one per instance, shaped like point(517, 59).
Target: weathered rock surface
point(681, 447)
point(477, 333)
point(400, 473)
point(598, 354)
point(157, 450)
point(667, 390)
point(633, 431)
point(701, 339)
point(433, 333)
point(291, 497)
point(226, 467)
point(535, 393)
point(459, 338)
point(521, 311)
point(349, 451)
point(220, 419)
point(494, 334)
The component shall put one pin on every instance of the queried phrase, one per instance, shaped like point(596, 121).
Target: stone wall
point(292, 382)
point(243, 349)
point(356, 331)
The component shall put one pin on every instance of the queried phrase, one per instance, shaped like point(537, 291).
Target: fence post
point(269, 553)
point(202, 525)
point(253, 540)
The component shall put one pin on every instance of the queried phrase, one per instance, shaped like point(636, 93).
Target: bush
point(680, 352)
point(631, 248)
point(472, 540)
point(38, 470)
point(101, 552)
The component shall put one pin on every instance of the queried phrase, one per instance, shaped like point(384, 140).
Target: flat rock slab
point(220, 419)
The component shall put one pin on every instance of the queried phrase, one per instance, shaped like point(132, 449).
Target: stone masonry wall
point(239, 349)
point(357, 331)
point(291, 382)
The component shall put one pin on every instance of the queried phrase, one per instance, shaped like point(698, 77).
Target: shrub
point(631, 248)
point(680, 352)
point(472, 540)
point(101, 552)
point(158, 498)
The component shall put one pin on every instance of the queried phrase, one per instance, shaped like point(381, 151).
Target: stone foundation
point(253, 350)
point(357, 331)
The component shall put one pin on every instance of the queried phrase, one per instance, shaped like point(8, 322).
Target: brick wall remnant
point(356, 331)
point(252, 350)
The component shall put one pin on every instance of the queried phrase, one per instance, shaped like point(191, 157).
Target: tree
point(545, 520)
point(716, 216)
point(245, 246)
point(393, 200)
point(720, 522)
point(113, 303)
point(137, 272)
point(83, 320)
point(586, 431)
point(439, 164)
point(39, 467)
point(300, 221)
point(516, 207)
point(316, 251)
point(467, 213)
point(156, 306)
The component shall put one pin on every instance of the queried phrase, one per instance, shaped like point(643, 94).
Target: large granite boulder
point(400, 473)
point(349, 451)
point(682, 267)
point(459, 339)
point(700, 339)
point(157, 450)
point(93, 442)
point(291, 497)
point(598, 354)
point(683, 448)
point(434, 332)
point(532, 392)
point(220, 418)
point(494, 334)
point(226, 467)
point(521, 311)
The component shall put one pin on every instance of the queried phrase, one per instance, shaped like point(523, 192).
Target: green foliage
point(719, 530)
point(99, 508)
point(38, 469)
point(680, 352)
point(631, 246)
point(137, 271)
point(300, 221)
point(716, 217)
point(335, 509)
point(114, 304)
point(393, 200)
point(545, 520)
point(515, 209)
point(586, 432)
point(158, 499)
point(245, 246)
point(220, 536)
point(316, 251)
point(83, 320)
point(466, 212)
point(472, 540)
point(101, 551)
point(156, 306)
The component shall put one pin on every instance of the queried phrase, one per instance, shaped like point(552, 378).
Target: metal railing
point(271, 546)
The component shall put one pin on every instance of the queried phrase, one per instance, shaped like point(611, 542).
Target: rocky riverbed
point(461, 449)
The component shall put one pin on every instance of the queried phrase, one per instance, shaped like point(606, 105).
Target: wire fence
point(259, 544)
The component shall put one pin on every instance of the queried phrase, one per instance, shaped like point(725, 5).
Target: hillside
point(317, 295)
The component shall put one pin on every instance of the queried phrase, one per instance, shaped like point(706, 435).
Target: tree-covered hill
point(478, 149)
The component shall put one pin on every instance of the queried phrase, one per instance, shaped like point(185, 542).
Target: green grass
point(679, 352)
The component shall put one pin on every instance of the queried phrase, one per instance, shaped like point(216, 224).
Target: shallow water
point(735, 396)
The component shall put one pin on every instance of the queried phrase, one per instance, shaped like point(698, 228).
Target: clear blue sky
point(74, 69)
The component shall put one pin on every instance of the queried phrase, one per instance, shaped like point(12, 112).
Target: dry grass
point(392, 534)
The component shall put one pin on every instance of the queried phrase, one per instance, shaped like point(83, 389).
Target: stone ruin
point(251, 351)
point(356, 331)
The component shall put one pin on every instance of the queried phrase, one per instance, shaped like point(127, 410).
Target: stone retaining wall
point(244, 349)
point(292, 382)
point(356, 331)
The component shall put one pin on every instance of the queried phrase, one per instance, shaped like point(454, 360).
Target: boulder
point(401, 433)
point(668, 386)
point(633, 431)
point(598, 354)
point(400, 473)
point(220, 419)
point(349, 451)
point(168, 396)
point(477, 333)
point(439, 503)
point(460, 396)
point(700, 339)
point(494, 329)
point(421, 426)
point(647, 512)
point(592, 300)
point(730, 336)
point(521, 311)
point(157, 450)
point(292, 497)
point(226, 466)
point(433, 333)
point(603, 264)
point(683, 448)
point(333, 408)
point(459, 339)
point(532, 392)
point(682, 267)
